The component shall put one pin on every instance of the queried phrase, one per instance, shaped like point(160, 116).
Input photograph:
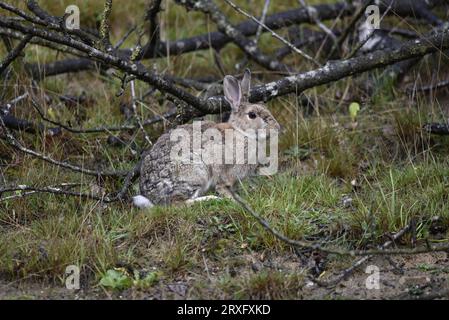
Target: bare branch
point(335, 70)
point(313, 15)
point(105, 25)
point(361, 261)
point(205, 41)
point(136, 114)
point(441, 129)
point(14, 53)
point(126, 66)
point(274, 34)
point(12, 141)
point(262, 20)
point(57, 190)
point(147, 122)
point(56, 23)
point(223, 24)
point(319, 247)
point(154, 31)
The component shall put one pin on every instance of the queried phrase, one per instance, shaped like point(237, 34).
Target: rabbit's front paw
point(204, 198)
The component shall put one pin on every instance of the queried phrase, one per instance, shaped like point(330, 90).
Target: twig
point(313, 16)
point(58, 190)
point(359, 262)
point(319, 247)
point(126, 66)
point(262, 20)
point(360, 12)
point(14, 53)
point(14, 123)
point(133, 174)
point(38, 70)
point(281, 53)
point(243, 63)
point(125, 37)
point(136, 115)
point(273, 33)
point(204, 41)
point(53, 190)
point(12, 141)
point(155, 119)
point(5, 109)
point(437, 128)
point(224, 25)
point(22, 14)
point(105, 25)
point(56, 23)
point(431, 87)
point(154, 30)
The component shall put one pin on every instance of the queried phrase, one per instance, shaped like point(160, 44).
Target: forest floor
point(424, 276)
point(348, 181)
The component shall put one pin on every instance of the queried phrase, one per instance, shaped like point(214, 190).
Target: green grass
point(400, 174)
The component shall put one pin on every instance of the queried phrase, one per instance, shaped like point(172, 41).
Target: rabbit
point(164, 181)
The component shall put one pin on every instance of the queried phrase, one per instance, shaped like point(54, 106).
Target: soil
point(424, 276)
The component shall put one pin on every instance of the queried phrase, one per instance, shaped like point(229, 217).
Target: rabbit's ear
point(232, 92)
point(246, 85)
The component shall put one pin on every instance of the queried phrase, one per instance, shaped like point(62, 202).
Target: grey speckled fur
point(164, 181)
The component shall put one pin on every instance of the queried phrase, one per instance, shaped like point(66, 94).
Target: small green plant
point(120, 279)
point(354, 108)
point(116, 279)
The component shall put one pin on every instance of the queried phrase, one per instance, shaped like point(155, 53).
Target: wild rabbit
point(165, 180)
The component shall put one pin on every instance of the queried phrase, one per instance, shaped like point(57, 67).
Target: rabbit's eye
point(252, 115)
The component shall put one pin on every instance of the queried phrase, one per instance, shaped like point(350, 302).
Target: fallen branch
point(155, 119)
point(105, 26)
point(58, 190)
point(34, 68)
point(58, 24)
point(202, 42)
point(336, 70)
point(332, 71)
point(14, 123)
point(274, 34)
point(248, 46)
point(154, 30)
point(124, 65)
point(441, 129)
point(12, 141)
point(247, 28)
point(358, 263)
point(429, 88)
point(14, 53)
point(313, 16)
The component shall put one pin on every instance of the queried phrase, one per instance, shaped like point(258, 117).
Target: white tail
point(142, 202)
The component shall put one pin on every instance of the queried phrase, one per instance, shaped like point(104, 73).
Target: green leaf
point(116, 279)
point(149, 280)
point(51, 113)
point(354, 108)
